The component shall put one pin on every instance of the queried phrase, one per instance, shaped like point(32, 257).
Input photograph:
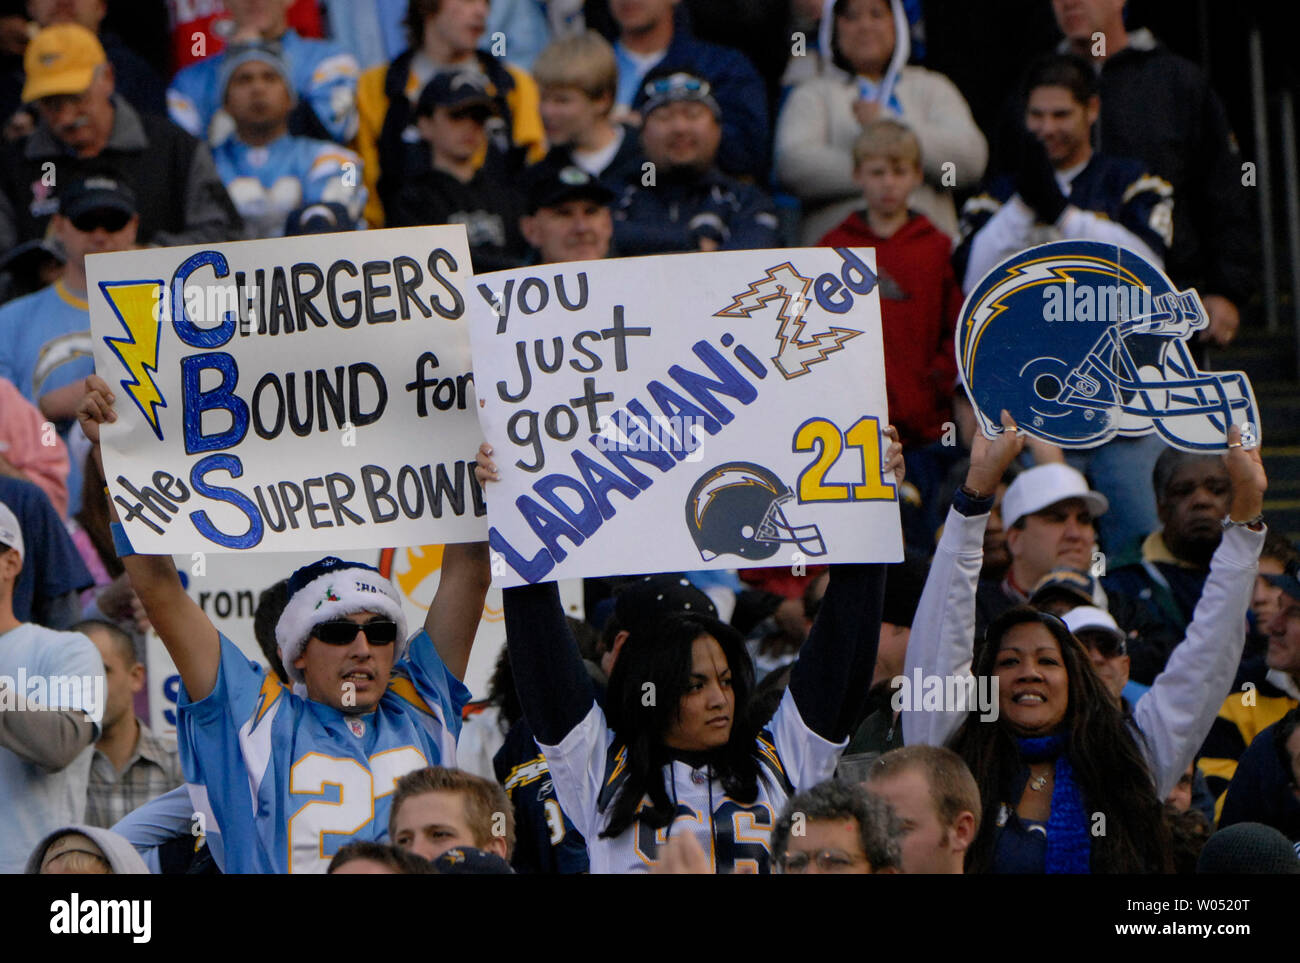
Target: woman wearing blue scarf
point(1065, 786)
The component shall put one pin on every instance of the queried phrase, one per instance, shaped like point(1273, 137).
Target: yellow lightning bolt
point(137, 305)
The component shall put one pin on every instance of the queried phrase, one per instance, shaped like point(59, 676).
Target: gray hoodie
point(120, 853)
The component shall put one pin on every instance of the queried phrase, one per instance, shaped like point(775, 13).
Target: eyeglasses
point(828, 861)
point(111, 221)
point(342, 632)
point(1107, 644)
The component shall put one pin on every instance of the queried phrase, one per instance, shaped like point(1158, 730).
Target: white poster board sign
point(287, 394)
point(689, 411)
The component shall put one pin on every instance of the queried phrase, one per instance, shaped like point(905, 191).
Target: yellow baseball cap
point(61, 60)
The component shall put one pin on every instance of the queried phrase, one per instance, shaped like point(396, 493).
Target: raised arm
point(831, 677)
point(191, 639)
point(554, 688)
point(943, 634)
point(457, 606)
point(1176, 714)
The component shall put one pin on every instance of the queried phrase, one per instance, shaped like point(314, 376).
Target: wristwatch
point(1254, 524)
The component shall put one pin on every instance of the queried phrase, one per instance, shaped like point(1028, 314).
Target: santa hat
point(331, 589)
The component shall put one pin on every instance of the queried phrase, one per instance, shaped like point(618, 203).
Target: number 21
point(825, 438)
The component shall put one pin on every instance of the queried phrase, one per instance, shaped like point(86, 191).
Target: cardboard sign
point(684, 412)
point(285, 394)
point(1082, 342)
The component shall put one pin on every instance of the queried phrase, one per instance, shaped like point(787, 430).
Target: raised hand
point(1246, 469)
point(96, 407)
point(989, 459)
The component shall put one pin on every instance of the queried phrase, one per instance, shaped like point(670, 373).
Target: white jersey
point(589, 769)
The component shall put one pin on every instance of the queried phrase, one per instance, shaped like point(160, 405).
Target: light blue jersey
point(323, 75)
point(288, 780)
point(266, 183)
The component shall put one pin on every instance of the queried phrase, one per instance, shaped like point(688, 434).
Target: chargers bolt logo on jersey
point(735, 509)
point(1082, 341)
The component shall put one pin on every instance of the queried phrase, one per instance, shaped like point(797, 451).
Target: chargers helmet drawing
point(736, 509)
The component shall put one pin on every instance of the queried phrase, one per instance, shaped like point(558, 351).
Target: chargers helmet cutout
point(1082, 342)
point(736, 509)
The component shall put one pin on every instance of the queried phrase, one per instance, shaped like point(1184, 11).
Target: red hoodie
point(919, 303)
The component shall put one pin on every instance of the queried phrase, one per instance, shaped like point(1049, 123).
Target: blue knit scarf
point(1069, 846)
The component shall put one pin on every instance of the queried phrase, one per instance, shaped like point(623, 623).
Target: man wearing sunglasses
point(45, 345)
point(289, 774)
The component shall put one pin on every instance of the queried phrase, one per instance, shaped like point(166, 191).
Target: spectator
point(522, 768)
point(48, 590)
point(437, 809)
point(650, 40)
point(84, 850)
point(366, 858)
point(48, 360)
point(919, 302)
point(1248, 848)
point(86, 129)
point(1262, 702)
point(43, 762)
point(1060, 727)
point(137, 81)
point(567, 218)
point(845, 829)
point(702, 719)
point(14, 36)
point(268, 171)
point(1276, 557)
point(1265, 787)
point(1047, 514)
point(28, 267)
point(937, 801)
point(690, 204)
point(578, 78)
point(823, 117)
point(1063, 189)
point(323, 76)
point(130, 764)
point(452, 115)
point(110, 598)
point(29, 449)
point(442, 35)
point(468, 861)
point(342, 639)
point(1107, 646)
point(1159, 108)
point(1193, 493)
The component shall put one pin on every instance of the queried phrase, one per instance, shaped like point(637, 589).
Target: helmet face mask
point(1117, 364)
point(736, 509)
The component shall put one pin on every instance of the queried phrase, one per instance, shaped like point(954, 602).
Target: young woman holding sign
point(677, 747)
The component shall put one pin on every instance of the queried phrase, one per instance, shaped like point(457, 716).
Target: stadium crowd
point(1145, 715)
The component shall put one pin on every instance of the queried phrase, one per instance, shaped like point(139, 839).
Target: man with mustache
point(86, 128)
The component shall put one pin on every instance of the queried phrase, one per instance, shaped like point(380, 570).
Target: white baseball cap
point(1090, 617)
point(1045, 485)
point(10, 532)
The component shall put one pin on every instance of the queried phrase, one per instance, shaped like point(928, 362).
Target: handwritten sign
point(286, 394)
point(684, 412)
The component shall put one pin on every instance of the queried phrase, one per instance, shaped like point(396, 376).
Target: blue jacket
point(671, 216)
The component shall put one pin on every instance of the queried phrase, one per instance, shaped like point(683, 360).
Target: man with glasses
point(837, 827)
point(87, 128)
point(291, 774)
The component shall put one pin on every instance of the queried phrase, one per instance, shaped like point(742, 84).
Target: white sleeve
point(1003, 234)
point(943, 632)
point(1079, 224)
point(806, 757)
point(577, 768)
point(1176, 713)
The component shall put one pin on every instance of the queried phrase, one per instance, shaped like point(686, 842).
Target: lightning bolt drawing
point(137, 305)
point(784, 284)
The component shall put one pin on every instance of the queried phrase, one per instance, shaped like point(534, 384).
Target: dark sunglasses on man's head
point(342, 632)
point(111, 221)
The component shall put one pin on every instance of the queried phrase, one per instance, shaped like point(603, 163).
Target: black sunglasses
point(111, 221)
point(342, 632)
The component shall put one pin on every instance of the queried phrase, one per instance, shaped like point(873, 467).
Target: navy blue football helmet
point(1082, 341)
point(735, 509)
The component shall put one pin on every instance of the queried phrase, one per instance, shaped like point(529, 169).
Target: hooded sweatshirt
point(919, 303)
point(120, 853)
